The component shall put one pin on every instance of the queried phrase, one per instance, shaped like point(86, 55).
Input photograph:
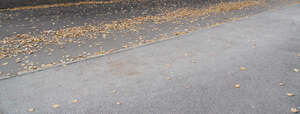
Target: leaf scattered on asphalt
point(31, 110)
point(55, 105)
point(169, 78)
point(296, 70)
point(186, 54)
point(237, 85)
point(118, 103)
point(281, 84)
point(168, 65)
point(30, 45)
point(243, 68)
point(295, 110)
point(75, 101)
point(18, 60)
point(290, 94)
point(194, 61)
point(6, 63)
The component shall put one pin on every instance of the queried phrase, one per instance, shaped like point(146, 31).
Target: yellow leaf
point(31, 110)
point(295, 110)
point(75, 101)
point(243, 68)
point(237, 85)
point(290, 94)
point(281, 84)
point(169, 78)
point(55, 106)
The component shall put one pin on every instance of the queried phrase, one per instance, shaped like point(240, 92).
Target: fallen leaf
point(118, 103)
point(31, 110)
point(168, 65)
point(169, 78)
point(243, 68)
point(18, 60)
point(295, 110)
point(104, 35)
point(75, 101)
point(290, 94)
point(194, 61)
point(237, 85)
point(55, 106)
point(186, 54)
point(6, 63)
point(296, 70)
point(281, 84)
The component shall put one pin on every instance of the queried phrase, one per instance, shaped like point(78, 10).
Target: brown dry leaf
point(295, 110)
point(168, 65)
point(2, 56)
point(6, 63)
point(75, 101)
point(237, 85)
point(31, 110)
point(18, 60)
point(118, 103)
point(194, 61)
point(179, 33)
point(169, 78)
point(281, 84)
point(298, 54)
point(104, 35)
point(290, 94)
point(243, 68)
point(186, 54)
point(55, 105)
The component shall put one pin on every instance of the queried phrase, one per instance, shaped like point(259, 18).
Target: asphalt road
point(39, 38)
point(194, 73)
point(23, 3)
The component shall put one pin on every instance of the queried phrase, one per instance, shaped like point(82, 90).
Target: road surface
point(194, 73)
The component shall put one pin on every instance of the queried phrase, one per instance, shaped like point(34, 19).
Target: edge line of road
point(64, 5)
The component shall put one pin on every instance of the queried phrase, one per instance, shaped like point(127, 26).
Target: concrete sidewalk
point(195, 73)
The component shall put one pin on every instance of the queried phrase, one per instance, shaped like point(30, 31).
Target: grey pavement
point(195, 73)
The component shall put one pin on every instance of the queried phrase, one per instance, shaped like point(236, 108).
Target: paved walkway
point(195, 73)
